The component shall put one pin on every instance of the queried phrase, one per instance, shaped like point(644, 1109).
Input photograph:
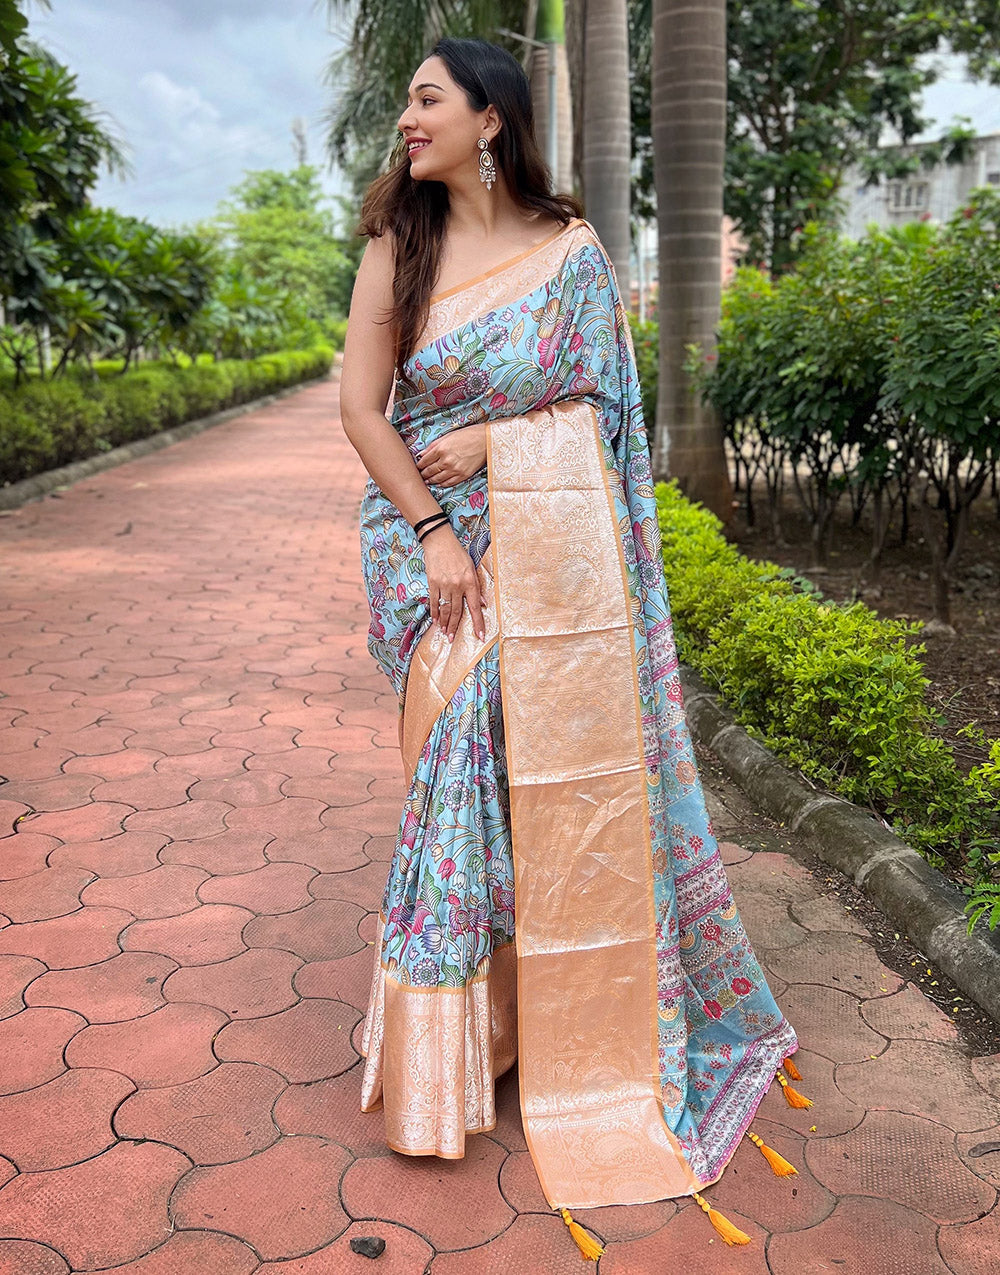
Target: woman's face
point(440, 129)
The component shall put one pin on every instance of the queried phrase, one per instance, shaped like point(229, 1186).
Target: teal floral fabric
point(449, 897)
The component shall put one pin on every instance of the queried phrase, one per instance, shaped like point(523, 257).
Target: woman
point(556, 893)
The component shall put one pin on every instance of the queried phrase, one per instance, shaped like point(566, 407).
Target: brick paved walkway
point(207, 760)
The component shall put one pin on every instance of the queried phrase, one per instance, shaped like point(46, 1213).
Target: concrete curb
point(18, 494)
point(918, 899)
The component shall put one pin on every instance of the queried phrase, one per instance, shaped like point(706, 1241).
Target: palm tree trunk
point(551, 28)
point(689, 135)
point(607, 149)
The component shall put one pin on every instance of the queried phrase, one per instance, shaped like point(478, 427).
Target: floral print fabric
point(449, 897)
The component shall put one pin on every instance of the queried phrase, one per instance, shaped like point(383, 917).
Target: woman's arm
point(365, 386)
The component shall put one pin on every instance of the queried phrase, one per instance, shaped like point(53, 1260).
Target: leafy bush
point(45, 424)
point(831, 688)
point(646, 339)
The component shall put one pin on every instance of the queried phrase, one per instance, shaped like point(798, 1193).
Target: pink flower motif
point(548, 346)
point(711, 931)
point(447, 868)
point(713, 1009)
point(576, 342)
point(498, 400)
point(477, 500)
point(401, 592)
point(741, 986)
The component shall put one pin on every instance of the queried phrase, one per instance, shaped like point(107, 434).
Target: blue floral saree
point(556, 893)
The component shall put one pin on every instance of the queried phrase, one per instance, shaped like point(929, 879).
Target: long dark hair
point(415, 212)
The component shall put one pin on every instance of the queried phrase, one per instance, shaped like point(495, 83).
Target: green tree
point(387, 43)
point(51, 150)
point(277, 231)
point(812, 85)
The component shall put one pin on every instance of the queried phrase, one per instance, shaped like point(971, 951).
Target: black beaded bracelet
point(432, 518)
point(444, 522)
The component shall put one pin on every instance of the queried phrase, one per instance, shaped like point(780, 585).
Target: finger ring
point(444, 602)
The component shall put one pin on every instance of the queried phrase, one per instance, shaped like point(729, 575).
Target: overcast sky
point(200, 90)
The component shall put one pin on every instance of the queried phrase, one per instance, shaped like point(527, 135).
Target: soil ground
point(964, 668)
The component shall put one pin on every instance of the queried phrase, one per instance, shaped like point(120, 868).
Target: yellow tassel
point(792, 1096)
point(793, 1071)
point(588, 1246)
point(777, 1162)
point(731, 1234)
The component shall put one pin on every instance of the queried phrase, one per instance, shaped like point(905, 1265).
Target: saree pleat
point(555, 874)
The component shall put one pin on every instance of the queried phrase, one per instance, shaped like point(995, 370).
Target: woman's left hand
point(454, 457)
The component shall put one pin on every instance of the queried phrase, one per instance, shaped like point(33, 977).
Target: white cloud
point(197, 90)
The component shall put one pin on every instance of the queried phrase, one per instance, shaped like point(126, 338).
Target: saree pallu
point(556, 893)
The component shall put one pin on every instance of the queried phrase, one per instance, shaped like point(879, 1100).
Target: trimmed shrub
point(831, 688)
point(45, 424)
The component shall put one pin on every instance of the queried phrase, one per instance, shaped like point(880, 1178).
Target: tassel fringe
point(731, 1234)
point(778, 1163)
point(589, 1248)
point(793, 1071)
point(792, 1096)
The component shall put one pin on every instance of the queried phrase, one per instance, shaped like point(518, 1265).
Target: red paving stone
point(58, 1123)
point(32, 1044)
point(252, 985)
point(212, 762)
point(68, 942)
point(167, 1047)
point(103, 1212)
point(16, 973)
point(208, 933)
point(222, 1116)
point(241, 1199)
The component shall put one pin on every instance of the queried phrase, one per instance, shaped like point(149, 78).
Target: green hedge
point(45, 424)
point(831, 688)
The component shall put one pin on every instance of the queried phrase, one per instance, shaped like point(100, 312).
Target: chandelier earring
point(487, 167)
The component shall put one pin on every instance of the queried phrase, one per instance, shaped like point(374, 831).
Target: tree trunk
point(689, 135)
point(607, 148)
point(550, 28)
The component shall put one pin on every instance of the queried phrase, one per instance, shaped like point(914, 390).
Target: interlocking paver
point(123, 855)
point(164, 891)
point(310, 1041)
point(22, 1257)
point(909, 1015)
point(43, 895)
point(16, 973)
point(222, 1116)
point(204, 705)
point(902, 1158)
point(279, 887)
point(66, 942)
point(322, 930)
point(210, 932)
point(399, 1189)
point(102, 1212)
point(347, 979)
point(409, 1254)
point(939, 1083)
point(22, 854)
point(63, 1121)
point(254, 984)
point(241, 1198)
point(167, 1047)
point(126, 986)
point(339, 850)
point(224, 853)
point(860, 1236)
point(193, 1253)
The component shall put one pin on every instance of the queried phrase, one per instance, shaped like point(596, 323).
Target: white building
point(930, 194)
